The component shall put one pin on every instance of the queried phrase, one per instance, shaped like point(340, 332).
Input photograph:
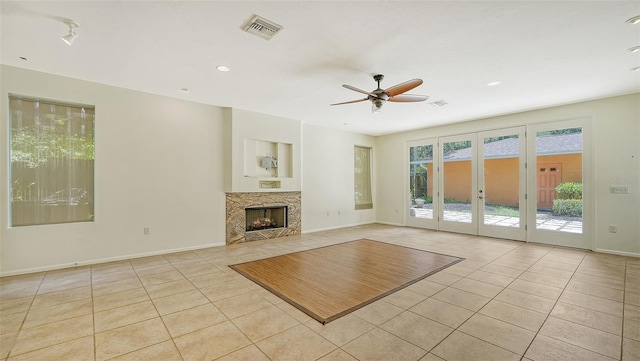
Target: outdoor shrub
point(567, 207)
point(569, 190)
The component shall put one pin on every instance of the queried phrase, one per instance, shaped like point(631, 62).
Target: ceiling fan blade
point(408, 98)
point(358, 90)
point(352, 101)
point(403, 87)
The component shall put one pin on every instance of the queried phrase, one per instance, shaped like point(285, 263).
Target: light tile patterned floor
point(507, 301)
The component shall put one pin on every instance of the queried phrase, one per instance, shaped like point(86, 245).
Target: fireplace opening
point(259, 218)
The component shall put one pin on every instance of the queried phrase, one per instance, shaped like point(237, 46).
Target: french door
point(476, 183)
point(559, 180)
point(423, 184)
point(502, 183)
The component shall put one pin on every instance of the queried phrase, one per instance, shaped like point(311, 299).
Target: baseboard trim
point(618, 253)
point(337, 227)
point(392, 224)
point(106, 260)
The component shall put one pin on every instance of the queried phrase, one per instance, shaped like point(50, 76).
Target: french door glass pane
point(421, 181)
point(501, 157)
point(457, 186)
point(559, 180)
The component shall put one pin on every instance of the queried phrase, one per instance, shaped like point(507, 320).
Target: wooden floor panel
point(329, 282)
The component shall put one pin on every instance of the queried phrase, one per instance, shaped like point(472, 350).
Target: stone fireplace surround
point(236, 202)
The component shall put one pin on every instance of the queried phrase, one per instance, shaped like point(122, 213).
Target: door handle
point(480, 197)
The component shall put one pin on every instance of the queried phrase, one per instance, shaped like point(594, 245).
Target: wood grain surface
point(329, 282)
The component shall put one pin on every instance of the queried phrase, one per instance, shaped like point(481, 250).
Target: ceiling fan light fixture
point(376, 105)
point(634, 20)
point(71, 37)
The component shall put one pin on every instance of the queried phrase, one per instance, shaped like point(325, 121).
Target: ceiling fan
point(394, 94)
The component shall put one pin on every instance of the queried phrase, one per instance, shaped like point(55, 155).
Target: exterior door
point(458, 186)
point(549, 177)
point(561, 213)
point(421, 204)
point(502, 183)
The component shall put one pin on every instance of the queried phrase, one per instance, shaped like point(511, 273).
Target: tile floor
point(507, 301)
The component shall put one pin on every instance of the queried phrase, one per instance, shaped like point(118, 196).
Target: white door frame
point(585, 240)
point(453, 226)
point(408, 219)
point(516, 233)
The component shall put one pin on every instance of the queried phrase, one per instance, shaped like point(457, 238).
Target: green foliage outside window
point(569, 202)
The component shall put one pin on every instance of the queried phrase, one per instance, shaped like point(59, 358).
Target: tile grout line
point(624, 295)
point(159, 315)
point(554, 306)
point(476, 312)
point(504, 288)
point(558, 300)
point(93, 314)
point(25, 316)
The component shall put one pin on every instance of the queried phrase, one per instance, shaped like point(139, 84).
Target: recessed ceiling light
point(635, 68)
point(634, 20)
point(634, 49)
point(493, 83)
point(222, 68)
point(185, 90)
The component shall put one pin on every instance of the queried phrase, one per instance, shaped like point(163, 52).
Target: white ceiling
point(545, 53)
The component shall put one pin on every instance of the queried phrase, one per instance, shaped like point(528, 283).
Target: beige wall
point(162, 163)
point(327, 179)
point(158, 165)
point(614, 160)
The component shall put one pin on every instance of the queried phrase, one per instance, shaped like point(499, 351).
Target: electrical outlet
point(613, 228)
point(146, 230)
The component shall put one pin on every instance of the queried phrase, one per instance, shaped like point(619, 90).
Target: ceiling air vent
point(262, 27)
point(439, 103)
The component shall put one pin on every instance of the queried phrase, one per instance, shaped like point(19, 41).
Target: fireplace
point(265, 209)
point(259, 218)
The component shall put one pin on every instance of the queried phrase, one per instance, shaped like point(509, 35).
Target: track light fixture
point(69, 38)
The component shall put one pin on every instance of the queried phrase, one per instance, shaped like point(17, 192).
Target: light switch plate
point(619, 190)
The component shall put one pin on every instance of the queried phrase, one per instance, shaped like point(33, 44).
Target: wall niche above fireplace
point(263, 153)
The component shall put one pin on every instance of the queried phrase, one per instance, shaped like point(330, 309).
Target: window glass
point(362, 177)
point(52, 162)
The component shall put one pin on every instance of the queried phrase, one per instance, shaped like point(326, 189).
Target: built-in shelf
point(264, 159)
point(252, 140)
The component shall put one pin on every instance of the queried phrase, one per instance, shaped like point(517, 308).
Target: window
point(362, 177)
point(52, 156)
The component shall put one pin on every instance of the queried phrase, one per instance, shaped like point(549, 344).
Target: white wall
point(246, 126)
point(615, 160)
point(161, 163)
point(327, 179)
point(158, 164)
